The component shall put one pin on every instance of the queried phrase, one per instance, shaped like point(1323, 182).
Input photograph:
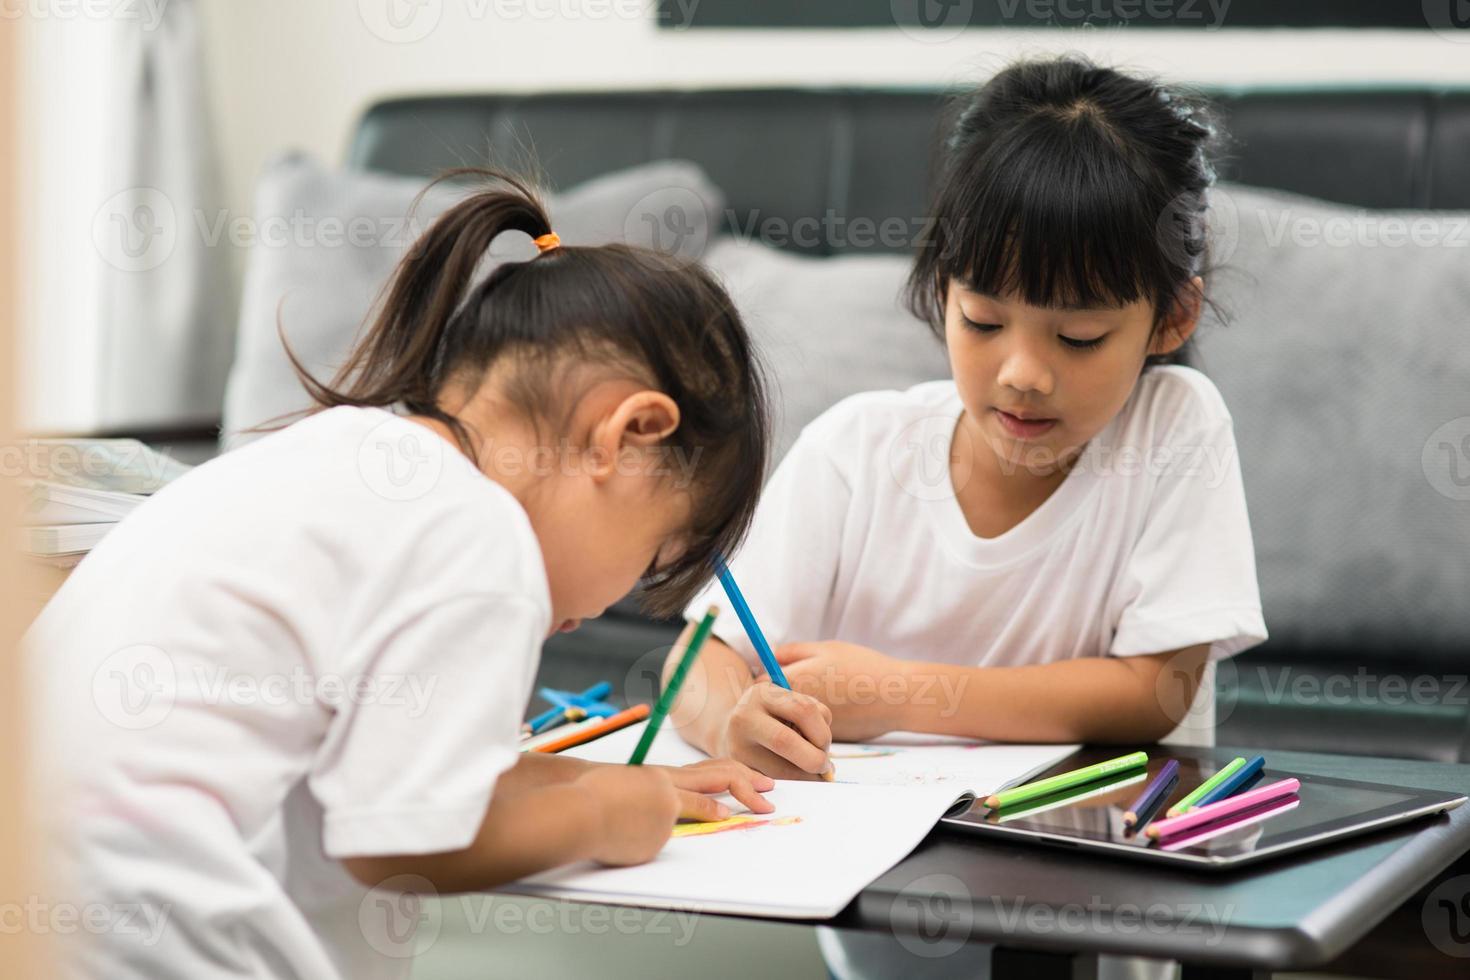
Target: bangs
point(1053, 213)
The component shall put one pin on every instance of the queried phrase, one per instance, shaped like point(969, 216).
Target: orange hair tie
point(546, 242)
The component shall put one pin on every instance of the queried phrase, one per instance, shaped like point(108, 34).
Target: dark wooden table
point(1394, 903)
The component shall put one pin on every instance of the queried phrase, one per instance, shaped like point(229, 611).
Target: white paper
point(898, 759)
point(823, 844)
point(806, 860)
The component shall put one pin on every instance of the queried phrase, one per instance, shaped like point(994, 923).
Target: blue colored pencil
point(757, 638)
point(574, 713)
point(752, 629)
point(1152, 794)
point(594, 693)
point(1232, 785)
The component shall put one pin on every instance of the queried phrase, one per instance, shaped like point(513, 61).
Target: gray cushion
point(329, 241)
point(1347, 371)
point(826, 328)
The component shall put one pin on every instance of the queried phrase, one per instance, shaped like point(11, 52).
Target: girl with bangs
point(1051, 547)
point(1054, 545)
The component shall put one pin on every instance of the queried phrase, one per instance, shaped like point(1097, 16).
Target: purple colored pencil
point(1150, 796)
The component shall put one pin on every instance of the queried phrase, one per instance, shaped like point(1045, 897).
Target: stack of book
point(78, 489)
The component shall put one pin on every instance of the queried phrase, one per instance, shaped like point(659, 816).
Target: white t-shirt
point(317, 646)
point(1145, 547)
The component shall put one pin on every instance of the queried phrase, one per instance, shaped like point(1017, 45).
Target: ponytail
point(406, 354)
point(638, 312)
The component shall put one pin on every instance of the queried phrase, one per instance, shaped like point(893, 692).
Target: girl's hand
point(781, 733)
point(638, 805)
point(865, 690)
point(718, 776)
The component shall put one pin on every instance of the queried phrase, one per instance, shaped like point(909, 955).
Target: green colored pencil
point(1066, 780)
point(666, 699)
point(1206, 786)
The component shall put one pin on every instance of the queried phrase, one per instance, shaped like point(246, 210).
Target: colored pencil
point(596, 692)
point(757, 638)
point(1232, 785)
point(1029, 791)
point(1224, 808)
point(1069, 797)
point(1155, 792)
point(1228, 825)
point(752, 628)
point(1199, 791)
point(666, 699)
point(531, 742)
point(574, 713)
point(605, 725)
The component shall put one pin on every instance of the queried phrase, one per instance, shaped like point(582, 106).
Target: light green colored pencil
point(666, 699)
point(1066, 780)
point(1206, 786)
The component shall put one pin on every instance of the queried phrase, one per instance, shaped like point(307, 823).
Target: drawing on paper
point(739, 822)
point(864, 754)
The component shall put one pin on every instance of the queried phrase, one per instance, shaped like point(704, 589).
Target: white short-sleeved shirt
point(315, 647)
point(1145, 547)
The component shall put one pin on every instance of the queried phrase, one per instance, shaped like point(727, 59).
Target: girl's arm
point(611, 814)
point(535, 770)
point(548, 811)
point(1090, 699)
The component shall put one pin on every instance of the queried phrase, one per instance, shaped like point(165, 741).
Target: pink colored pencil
point(1223, 808)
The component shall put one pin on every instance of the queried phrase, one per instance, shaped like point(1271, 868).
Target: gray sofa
point(1347, 366)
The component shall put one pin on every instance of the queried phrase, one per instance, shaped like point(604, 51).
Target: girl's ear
point(1181, 319)
point(640, 421)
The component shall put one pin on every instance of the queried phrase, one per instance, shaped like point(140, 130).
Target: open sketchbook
point(823, 843)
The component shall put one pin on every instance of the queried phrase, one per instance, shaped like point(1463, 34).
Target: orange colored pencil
point(620, 720)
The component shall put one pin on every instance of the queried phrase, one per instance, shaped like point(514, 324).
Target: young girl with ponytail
point(291, 683)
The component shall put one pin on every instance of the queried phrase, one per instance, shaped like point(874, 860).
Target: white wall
point(63, 135)
point(297, 73)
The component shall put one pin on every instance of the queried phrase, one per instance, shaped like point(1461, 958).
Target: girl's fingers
point(769, 762)
point(808, 716)
point(790, 653)
point(697, 806)
point(744, 792)
point(789, 744)
point(716, 775)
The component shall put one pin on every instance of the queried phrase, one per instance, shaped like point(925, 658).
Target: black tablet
point(1091, 816)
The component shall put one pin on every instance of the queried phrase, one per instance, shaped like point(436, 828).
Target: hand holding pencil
point(777, 730)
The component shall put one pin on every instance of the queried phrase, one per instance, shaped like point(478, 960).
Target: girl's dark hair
point(614, 309)
point(1069, 185)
